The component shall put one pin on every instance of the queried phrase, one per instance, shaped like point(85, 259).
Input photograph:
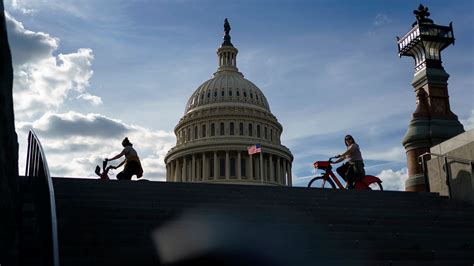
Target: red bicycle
point(329, 179)
point(105, 174)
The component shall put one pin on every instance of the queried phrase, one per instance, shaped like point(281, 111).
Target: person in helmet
point(132, 162)
point(353, 169)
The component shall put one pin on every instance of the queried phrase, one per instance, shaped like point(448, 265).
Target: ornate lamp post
point(433, 121)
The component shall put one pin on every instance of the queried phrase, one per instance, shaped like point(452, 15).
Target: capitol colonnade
point(230, 166)
point(223, 117)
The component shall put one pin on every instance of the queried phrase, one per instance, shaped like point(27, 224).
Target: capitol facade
point(223, 117)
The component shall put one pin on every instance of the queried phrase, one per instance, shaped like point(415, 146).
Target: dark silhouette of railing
point(37, 168)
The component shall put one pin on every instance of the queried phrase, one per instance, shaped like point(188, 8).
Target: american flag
point(254, 149)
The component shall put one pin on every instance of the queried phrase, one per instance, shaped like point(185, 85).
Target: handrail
point(457, 159)
point(448, 176)
point(37, 167)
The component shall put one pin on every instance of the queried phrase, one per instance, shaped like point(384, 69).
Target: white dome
point(225, 116)
point(227, 88)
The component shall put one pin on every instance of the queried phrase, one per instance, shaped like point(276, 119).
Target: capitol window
point(222, 129)
point(203, 133)
point(258, 131)
point(241, 129)
point(231, 128)
point(250, 130)
point(266, 135)
point(195, 132)
point(213, 129)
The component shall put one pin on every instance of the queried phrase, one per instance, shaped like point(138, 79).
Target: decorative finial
point(421, 15)
point(226, 34)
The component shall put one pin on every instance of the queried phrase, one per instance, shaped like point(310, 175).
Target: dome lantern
point(227, 53)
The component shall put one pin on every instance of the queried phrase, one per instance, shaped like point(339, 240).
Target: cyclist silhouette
point(132, 162)
point(353, 169)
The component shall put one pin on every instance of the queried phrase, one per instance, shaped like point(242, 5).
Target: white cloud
point(469, 122)
point(28, 46)
point(43, 81)
point(394, 180)
point(95, 100)
point(20, 6)
point(381, 19)
point(74, 143)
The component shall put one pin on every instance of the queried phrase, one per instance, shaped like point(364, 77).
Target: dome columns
point(230, 166)
point(227, 57)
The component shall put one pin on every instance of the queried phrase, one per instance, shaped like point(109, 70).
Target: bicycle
point(105, 174)
point(329, 179)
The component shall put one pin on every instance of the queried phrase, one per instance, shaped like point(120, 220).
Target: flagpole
point(261, 167)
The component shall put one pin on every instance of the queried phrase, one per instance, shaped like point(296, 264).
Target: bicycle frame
point(330, 174)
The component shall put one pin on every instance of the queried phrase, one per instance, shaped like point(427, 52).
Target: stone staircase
point(157, 223)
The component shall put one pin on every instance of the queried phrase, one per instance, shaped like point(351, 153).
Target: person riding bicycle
point(353, 169)
point(132, 162)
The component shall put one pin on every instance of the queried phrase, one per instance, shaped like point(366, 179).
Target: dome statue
point(225, 116)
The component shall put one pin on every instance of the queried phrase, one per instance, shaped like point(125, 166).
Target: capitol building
point(224, 117)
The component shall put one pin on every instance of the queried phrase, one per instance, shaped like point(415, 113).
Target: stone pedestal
point(432, 122)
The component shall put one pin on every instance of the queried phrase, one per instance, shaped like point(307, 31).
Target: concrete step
point(235, 189)
point(356, 215)
point(282, 198)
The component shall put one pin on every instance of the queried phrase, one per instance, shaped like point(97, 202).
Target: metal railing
point(37, 168)
point(423, 162)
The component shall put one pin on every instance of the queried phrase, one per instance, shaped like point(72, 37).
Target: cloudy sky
point(88, 73)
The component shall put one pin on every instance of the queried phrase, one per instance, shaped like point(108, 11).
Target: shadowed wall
point(8, 153)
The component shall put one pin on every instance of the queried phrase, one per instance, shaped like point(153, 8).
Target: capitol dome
point(225, 116)
point(224, 88)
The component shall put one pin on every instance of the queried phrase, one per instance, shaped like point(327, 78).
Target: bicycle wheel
point(376, 186)
point(319, 182)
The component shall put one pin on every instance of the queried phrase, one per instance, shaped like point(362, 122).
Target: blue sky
point(88, 73)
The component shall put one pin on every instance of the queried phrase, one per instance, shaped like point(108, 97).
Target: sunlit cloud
point(42, 80)
point(74, 143)
point(393, 180)
point(468, 123)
